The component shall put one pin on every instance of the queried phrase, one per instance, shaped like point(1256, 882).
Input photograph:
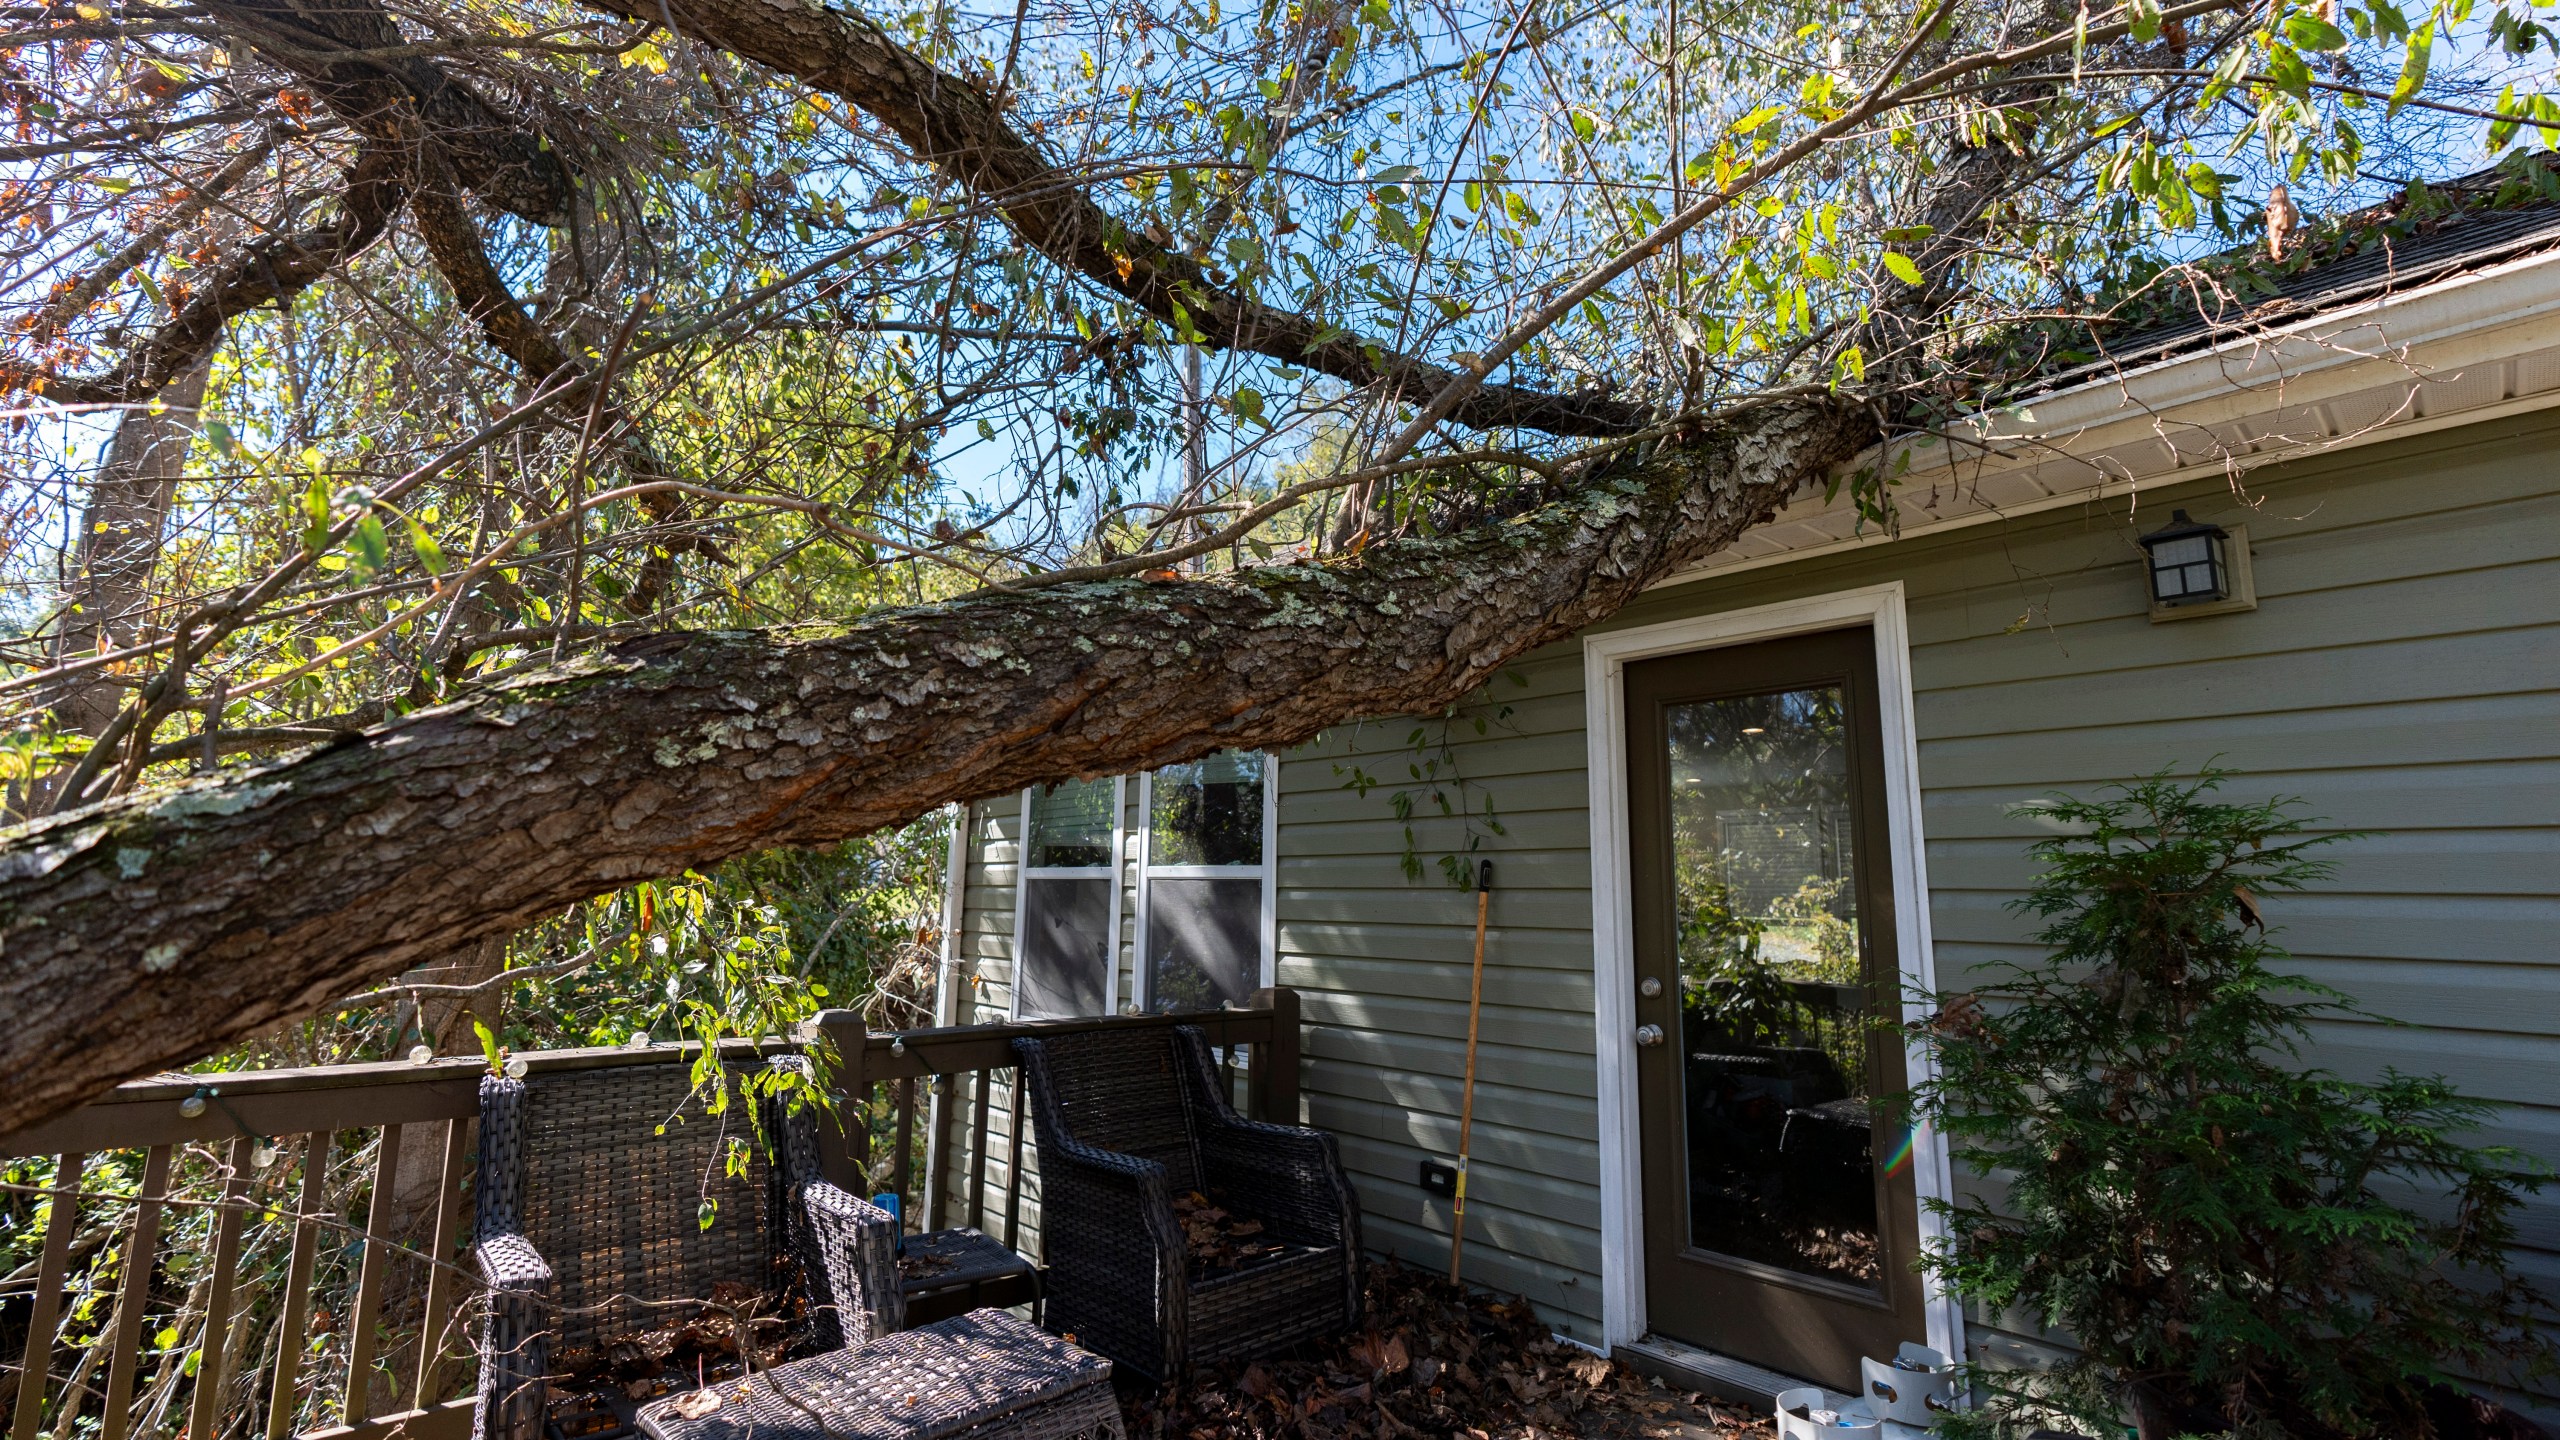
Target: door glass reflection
point(1774, 1032)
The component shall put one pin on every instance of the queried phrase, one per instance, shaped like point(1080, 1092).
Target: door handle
point(1648, 1035)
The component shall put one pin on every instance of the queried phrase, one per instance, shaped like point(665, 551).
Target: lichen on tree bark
point(229, 905)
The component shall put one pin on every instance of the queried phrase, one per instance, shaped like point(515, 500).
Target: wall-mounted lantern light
point(2197, 568)
point(2189, 565)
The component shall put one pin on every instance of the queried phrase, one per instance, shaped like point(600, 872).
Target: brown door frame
point(1624, 1315)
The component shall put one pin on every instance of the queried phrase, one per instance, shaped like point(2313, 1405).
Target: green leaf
point(1248, 406)
point(430, 554)
point(2413, 69)
point(2309, 32)
point(2202, 179)
point(1900, 267)
point(2286, 67)
point(488, 1045)
point(315, 514)
point(372, 547)
point(1757, 118)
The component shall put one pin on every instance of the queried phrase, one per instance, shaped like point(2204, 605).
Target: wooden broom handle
point(1467, 1095)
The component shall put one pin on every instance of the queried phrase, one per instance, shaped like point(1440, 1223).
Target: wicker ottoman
point(984, 1376)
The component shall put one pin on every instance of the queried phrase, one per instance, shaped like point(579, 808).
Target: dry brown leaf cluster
point(1430, 1359)
point(680, 1354)
point(1218, 1238)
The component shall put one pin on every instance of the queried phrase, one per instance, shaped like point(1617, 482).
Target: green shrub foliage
point(2238, 1244)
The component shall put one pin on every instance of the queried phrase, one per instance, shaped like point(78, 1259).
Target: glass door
point(1779, 1213)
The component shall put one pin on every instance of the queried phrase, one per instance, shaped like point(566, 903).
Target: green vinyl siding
point(2401, 674)
point(1383, 963)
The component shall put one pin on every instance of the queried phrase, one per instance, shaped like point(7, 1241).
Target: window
point(1067, 908)
point(1204, 882)
point(1202, 931)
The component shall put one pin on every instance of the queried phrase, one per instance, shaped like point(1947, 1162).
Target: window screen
point(1204, 941)
point(1066, 948)
point(1070, 895)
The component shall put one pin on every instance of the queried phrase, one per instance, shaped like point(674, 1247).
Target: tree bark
point(121, 534)
point(156, 928)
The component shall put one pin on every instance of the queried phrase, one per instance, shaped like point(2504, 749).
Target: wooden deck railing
point(913, 1063)
point(252, 1256)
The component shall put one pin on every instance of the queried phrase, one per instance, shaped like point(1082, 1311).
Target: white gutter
point(2471, 348)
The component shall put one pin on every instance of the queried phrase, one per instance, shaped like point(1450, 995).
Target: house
point(1819, 735)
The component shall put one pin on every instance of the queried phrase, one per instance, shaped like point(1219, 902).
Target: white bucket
point(1915, 1388)
point(1814, 1413)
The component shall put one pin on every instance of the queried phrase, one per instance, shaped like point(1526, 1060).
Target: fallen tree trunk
point(157, 928)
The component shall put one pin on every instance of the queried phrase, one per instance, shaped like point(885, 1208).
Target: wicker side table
point(951, 1272)
point(980, 1376)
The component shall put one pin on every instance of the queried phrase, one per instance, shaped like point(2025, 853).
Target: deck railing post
point(1273, 1082)
point(844, 1137)
point(62, 1222)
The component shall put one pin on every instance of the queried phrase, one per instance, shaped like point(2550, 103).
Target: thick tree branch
point(499, 157)
point(269, 270)
point(949, 121)
point(226, 906)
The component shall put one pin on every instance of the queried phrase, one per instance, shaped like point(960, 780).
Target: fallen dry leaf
point(1418, 1369)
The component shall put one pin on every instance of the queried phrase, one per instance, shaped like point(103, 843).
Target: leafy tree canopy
point(369, 354)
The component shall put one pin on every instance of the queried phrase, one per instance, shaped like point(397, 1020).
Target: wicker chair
point(1129, 1119)
point(586, 1217)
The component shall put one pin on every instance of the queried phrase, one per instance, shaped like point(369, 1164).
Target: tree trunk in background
point(159, 927)
point(108, 599)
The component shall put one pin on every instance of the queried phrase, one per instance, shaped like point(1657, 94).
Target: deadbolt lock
point(1648, 1034)
point(1651, 989)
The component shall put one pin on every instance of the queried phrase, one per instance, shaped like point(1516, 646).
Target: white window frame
point(1141, 975)
point(1024, 872)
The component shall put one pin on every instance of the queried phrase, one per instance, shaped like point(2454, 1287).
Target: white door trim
point(1604, 661)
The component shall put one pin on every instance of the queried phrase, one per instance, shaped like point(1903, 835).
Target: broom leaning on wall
point(1467, 1094)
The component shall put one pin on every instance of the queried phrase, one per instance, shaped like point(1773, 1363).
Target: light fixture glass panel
point(1071, 825)
point(2169, 582)
point(2186, 551)
point(1204, 942)
point(1209, 811)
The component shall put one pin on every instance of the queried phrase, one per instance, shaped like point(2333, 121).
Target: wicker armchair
point(1129, 1119)
point(587, 1215)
